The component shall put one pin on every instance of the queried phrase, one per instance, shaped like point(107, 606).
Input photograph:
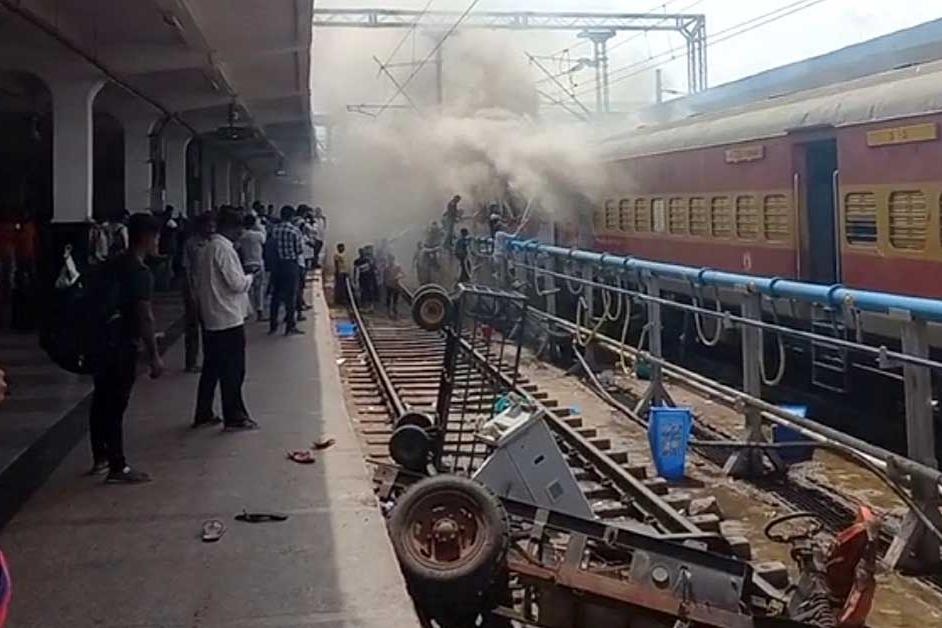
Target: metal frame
point(599, 27)
point(914, 545)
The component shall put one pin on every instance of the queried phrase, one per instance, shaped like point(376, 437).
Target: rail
point(654, 507)
point(389, 390)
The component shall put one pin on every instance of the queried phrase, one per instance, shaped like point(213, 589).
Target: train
point(839, 184)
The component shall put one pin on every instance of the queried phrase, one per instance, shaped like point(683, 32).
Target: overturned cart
point(492, 528)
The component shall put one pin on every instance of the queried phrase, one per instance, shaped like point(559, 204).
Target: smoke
point(392, 175)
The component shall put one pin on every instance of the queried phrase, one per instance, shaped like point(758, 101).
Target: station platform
point(83, 553)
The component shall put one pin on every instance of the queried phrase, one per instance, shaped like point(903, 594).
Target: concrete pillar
point(235, 183)
point(208, 179)
point(221, 185)
point(137, 162)
point(72, 160)
point(176, 144)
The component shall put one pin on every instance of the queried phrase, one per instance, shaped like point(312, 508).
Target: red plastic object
point(850, 569)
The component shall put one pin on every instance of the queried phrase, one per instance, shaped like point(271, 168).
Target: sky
point(342, 58)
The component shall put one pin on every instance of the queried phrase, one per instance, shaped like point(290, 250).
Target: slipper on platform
point(301, 457)
point(213, 530)
point(326, 443)
point(260, 517)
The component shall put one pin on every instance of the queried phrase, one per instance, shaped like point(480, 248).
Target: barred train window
point(720, 220)
point(611, 216)
point(676, 216)
point(860, 218)
point(747, 217)
point(775, 224)
point(624, 214)
point(909, 220)
point(642, 215)
point(699, 217)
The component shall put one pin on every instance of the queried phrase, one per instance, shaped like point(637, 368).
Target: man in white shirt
point(222, 291)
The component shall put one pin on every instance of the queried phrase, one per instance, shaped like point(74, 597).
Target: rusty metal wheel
point(450, 534)
point(431, 308)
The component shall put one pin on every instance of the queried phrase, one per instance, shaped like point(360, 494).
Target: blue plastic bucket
point(784, 434)
point(669, 438)
point(346, 329)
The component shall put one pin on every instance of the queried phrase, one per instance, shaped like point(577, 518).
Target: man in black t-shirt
point(115, 380)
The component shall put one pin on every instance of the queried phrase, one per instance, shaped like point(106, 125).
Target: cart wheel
point(431, 307)
point(415, 418)
point(410, 447)
point(451, 535)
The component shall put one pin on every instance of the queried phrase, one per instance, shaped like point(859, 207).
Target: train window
point(775, 219)
point(860, 218)
point(658, 215)
point(721, 224)
point(699, 217)
point(747, 218)
point(909, 220)
point(642, 215)
point(676, 216)
point(624, 214)
point(611, 215)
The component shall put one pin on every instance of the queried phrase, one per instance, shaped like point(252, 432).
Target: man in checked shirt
point(287, 241)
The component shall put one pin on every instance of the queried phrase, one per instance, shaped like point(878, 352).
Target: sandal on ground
point(301, 457)
point(212, 530)
point(260, 517)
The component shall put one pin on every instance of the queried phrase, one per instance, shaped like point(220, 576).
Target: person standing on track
point(341, 275)
point(393, 281)
point(223, 289)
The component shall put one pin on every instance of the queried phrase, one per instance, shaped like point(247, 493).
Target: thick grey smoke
point(395, 173)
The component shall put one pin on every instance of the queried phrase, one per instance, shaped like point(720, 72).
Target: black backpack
point(83, 325)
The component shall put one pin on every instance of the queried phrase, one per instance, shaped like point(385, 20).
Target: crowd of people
point(375, 277)
point(233, 265)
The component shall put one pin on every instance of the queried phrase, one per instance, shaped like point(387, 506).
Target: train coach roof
point(897, 94)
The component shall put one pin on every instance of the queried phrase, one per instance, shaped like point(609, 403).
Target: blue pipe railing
point(837, 295)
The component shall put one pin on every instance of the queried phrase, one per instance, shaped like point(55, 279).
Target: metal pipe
point(724, 317)
point(836, 295)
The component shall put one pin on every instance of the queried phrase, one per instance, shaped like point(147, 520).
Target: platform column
point(914, 545)
point(177, 140)
point(72, 157)
point(221, 184)
point(138, 167)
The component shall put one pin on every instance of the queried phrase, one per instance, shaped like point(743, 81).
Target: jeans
point(113, 385)
point(284, 279)
point(191, 335)
point(302, 285)
point(318, 247)
point(223, 362)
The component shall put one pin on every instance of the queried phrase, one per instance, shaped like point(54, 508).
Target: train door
point(820, 253)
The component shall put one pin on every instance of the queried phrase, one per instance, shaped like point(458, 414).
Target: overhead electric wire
point(435, 49)
point(409, 31)
point(725, 35)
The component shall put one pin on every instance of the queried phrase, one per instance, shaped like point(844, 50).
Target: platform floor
point(83, 553)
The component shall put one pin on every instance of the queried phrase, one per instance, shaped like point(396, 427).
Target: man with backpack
point(114, 378)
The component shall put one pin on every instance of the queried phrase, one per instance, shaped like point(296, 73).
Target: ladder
point(830, 366)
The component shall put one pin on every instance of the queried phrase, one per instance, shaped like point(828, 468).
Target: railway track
point(393, 367)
